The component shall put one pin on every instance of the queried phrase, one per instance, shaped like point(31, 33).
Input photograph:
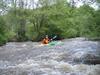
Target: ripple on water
point(52, 61)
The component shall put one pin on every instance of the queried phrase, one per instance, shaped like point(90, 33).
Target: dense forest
point(21, 22)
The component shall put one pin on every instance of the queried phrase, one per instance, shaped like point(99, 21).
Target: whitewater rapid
point(69, 58)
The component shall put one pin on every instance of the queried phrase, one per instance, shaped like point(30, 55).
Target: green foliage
point(57, 19)
point(2, 31)
point(98, 1)
point(17, 23)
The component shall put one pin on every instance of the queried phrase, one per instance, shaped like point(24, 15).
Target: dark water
point(68, 57)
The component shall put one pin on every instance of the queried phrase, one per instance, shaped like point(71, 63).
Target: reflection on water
point(70, 58)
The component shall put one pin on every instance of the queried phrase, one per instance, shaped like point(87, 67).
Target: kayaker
point(46, 40)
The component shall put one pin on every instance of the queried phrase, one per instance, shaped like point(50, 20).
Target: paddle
point(53, 38)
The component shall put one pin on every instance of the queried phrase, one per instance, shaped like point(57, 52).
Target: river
point(76, 56)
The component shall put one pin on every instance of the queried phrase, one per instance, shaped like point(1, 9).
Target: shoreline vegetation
point(59, 19)
point(80, 38)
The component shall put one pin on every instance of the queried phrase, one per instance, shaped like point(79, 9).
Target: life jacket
point(45, 41)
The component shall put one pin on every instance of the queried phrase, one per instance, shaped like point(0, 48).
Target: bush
point(2, 31)
point(3, 39)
